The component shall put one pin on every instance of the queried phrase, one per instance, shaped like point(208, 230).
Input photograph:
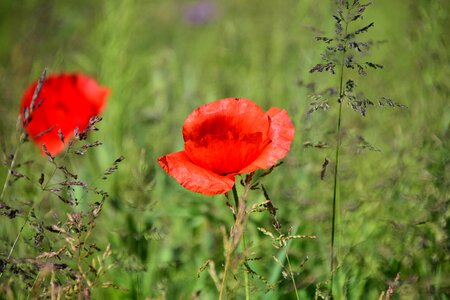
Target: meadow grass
point(394, 203)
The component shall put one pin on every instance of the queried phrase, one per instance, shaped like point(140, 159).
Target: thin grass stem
point(11, 166)
point(333, 259)
point(291, 275)
point(16, 240)
point(5, 185)
point(225, 272)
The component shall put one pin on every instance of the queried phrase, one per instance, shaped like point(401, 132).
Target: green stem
point(11, 166)
point(236, 199)
point(237, 233)
point(246, 281)
point(15, 241)
point(292, 274)
point(333, 260)
point(225, 272)
point(5, 185)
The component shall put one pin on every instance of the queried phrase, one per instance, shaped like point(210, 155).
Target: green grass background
point(394, 209)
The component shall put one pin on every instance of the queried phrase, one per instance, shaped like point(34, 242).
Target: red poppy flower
point(68, 101)
point(225, 138)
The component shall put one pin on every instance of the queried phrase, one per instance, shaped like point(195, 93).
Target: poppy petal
point(96, 94)
point(66, 102)
point(193, 177)
point(226, 135)
point(281, 133)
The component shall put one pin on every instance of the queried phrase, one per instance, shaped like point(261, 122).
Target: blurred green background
point(161, 62)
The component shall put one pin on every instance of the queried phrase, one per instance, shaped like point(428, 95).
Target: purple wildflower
point(200, 12)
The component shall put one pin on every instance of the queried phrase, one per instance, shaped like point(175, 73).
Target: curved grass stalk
point(23, 135)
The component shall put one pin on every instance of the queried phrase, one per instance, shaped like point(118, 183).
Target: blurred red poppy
point(65, 102)
point(225, 138)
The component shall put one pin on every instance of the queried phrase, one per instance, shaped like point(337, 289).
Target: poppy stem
point(246, 281)
point(236, 198)
point(236, 234)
